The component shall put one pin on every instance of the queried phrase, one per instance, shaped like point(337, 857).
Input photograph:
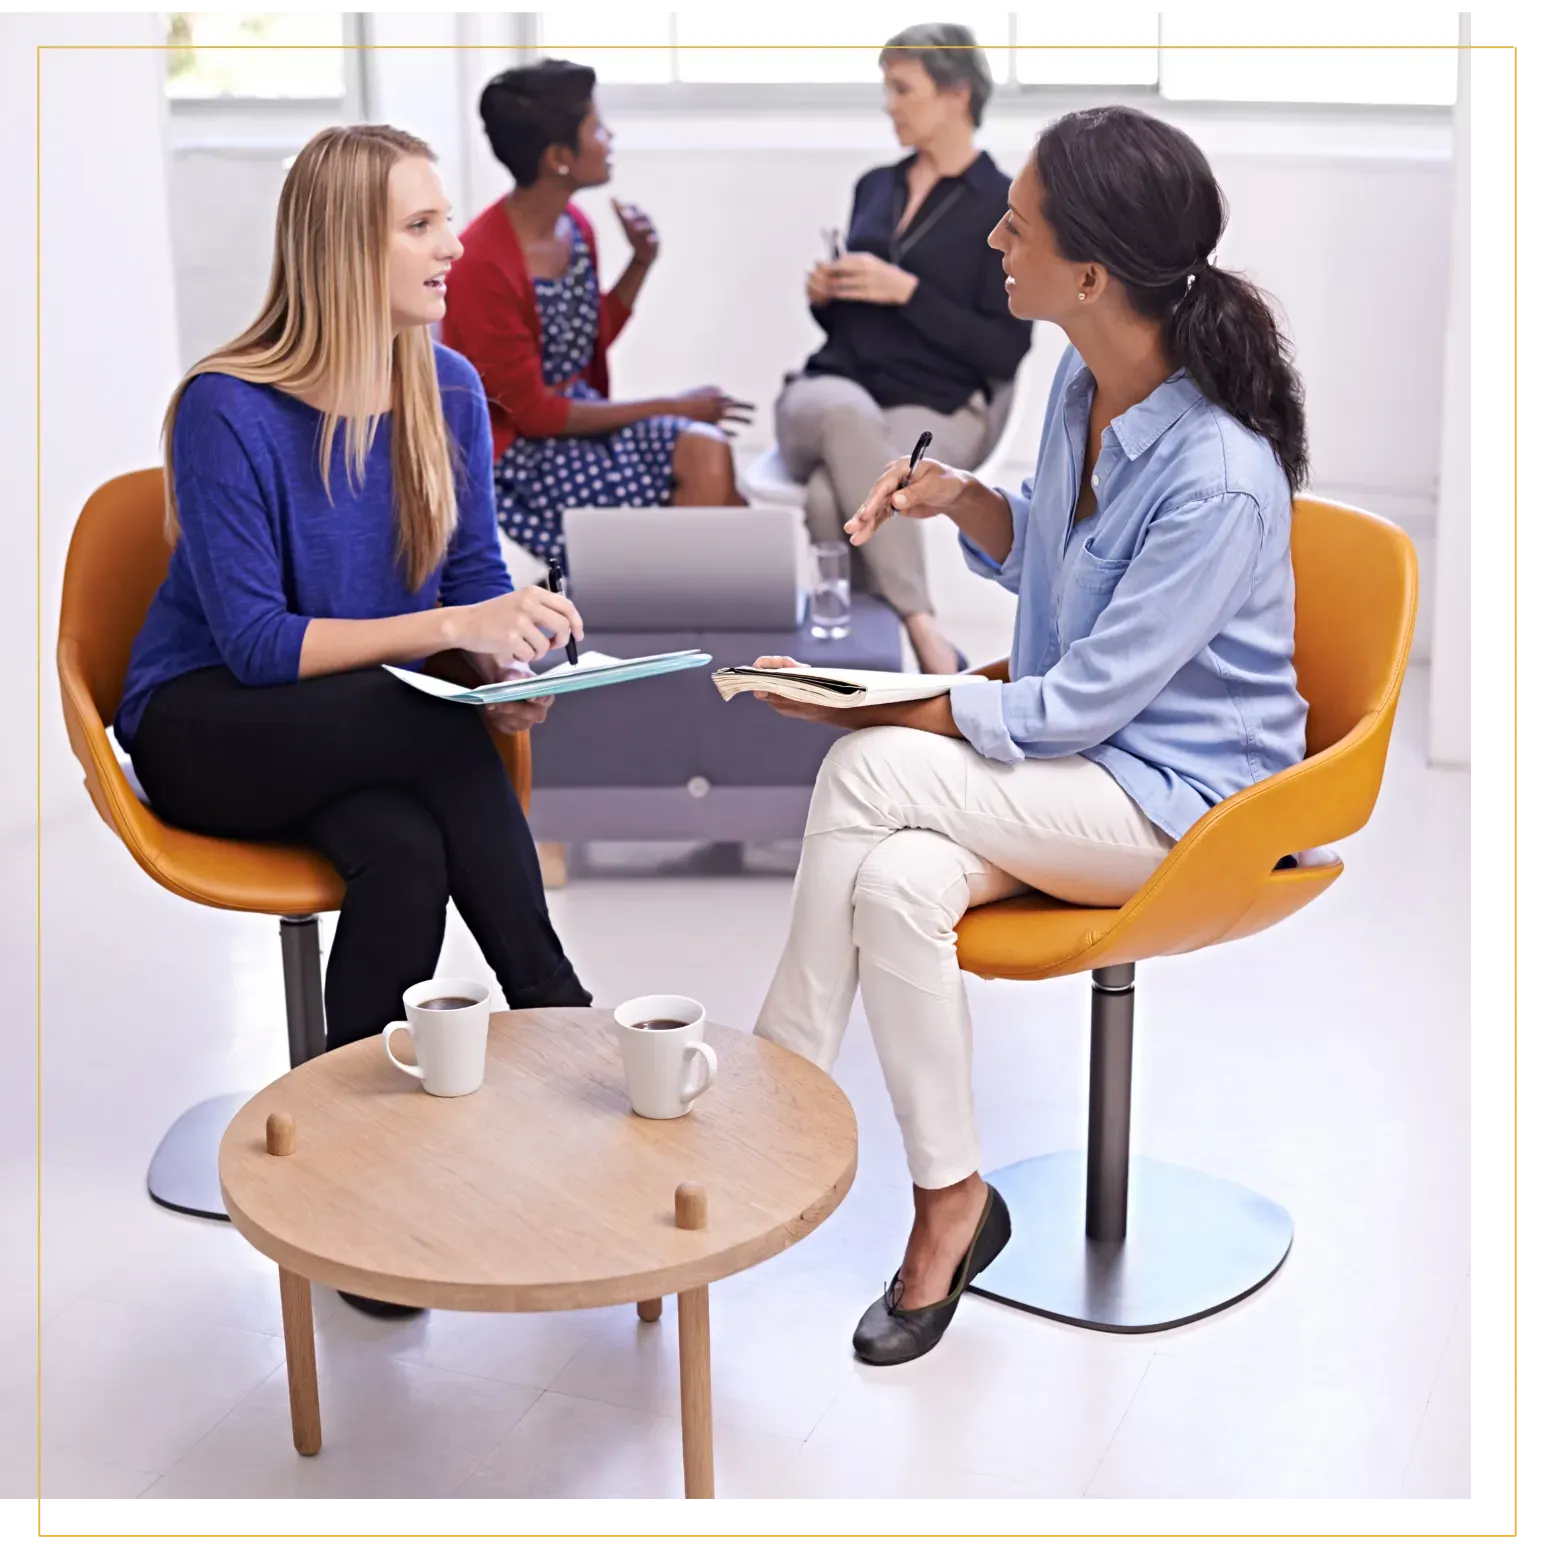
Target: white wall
point(1472, 583)
point(18, 443)
point(109, 358)
point(419, 88)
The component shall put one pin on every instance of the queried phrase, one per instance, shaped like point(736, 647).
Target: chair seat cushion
point(1033, 937)
point(1029, 936)
point(271, 877)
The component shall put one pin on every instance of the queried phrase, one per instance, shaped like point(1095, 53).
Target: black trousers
point(406, 796)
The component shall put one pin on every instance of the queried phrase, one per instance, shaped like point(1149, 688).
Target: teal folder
point(594, 670)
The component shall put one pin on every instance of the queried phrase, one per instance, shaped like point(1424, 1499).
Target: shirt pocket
point(1088, 580)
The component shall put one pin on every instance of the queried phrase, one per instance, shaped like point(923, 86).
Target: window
point(272, 55)
point(1409, 56)
point(1405, 56)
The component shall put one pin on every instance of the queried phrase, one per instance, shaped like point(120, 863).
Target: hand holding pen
point(555, 584)
point(929, 488)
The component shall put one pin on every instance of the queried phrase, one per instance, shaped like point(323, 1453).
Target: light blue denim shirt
point(1155, 637)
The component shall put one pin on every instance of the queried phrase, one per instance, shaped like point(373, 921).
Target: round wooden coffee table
point(542, 1191)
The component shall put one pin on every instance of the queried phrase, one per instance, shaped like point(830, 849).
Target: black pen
point(917, 453)
point(555, 585)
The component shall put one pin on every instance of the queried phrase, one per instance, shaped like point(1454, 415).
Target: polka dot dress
point(537, 478)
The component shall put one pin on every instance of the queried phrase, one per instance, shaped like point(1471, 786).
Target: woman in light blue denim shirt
point(1151, 672)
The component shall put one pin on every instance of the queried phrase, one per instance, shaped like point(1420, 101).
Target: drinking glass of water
point(831, 593)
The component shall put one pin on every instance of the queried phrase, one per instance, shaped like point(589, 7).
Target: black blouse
point(955, 335)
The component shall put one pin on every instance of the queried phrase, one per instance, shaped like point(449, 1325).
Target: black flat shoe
point(383, 1310)
point(889, 1335)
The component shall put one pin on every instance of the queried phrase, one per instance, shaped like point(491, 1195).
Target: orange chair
point(118, 557)
point(1196, 1244)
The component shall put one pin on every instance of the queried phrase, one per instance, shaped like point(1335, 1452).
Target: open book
point(839, 687)
point(593, 670)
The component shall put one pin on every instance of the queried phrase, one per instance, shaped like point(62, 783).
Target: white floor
point(1325, 1063)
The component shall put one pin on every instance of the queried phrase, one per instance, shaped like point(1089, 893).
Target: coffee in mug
point(448, 1020)
point(665, 1061)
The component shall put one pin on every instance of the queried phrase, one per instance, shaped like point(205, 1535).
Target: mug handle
point(710, 1069)
point(390, 1031)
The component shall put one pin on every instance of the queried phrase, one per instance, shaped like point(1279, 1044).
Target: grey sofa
point(668, 760)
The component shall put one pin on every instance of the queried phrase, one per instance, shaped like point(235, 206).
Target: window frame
point(349, 107)
point(1012, 98)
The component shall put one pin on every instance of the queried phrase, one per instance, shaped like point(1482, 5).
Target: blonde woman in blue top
point(330, 492)
point(1151, 674)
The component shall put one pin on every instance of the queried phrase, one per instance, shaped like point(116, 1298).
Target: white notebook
point(840, 687)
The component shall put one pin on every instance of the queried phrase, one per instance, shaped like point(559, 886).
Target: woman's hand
point(933, 488)
point(805, 711)
point(818, 286)
point(640, 232)
point(861, 277)
point(521, 625)
point(517, 716)
point(508, 716)
point(712, 405)
point(930, 716)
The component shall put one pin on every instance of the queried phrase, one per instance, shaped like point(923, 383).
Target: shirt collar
point(1140, 427)
point(981, 177)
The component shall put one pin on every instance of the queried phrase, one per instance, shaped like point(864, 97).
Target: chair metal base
point(1194, 1245)
point(185, 1173)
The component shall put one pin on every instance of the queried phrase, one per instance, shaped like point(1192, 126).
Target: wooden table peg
point(281, 1133)
point(650, 1310)
point(691, 1206)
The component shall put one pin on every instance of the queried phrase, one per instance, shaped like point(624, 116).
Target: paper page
point(431, 686)
point(848, 687)
point(587, 661)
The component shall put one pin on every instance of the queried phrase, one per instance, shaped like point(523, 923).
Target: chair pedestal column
point(1127, 1245)
point(185, 1171)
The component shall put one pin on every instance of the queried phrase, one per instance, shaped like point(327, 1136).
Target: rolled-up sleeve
point(1190, 576)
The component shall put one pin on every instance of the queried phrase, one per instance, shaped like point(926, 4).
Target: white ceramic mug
point(451, 1044)
point(659, 1064)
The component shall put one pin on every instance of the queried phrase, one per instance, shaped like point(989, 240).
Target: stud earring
point(563, 172)
point(1083, 296)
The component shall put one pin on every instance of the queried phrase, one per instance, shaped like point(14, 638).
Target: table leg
point(696, 1392)
point(300, 1357)
point(650, 1310)
point(553, 859)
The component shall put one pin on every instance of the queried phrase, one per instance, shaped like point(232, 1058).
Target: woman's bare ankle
point(944, 1220)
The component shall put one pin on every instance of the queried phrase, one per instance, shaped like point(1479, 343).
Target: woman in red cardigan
point(524, 305)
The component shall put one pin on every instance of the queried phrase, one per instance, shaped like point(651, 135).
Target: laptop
point(688, 568)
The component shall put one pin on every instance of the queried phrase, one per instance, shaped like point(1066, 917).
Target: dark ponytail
point(1135, 194)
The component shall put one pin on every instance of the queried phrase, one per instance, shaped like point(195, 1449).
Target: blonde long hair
point(325, 332)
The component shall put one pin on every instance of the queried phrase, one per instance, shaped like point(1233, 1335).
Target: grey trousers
point(834, 437)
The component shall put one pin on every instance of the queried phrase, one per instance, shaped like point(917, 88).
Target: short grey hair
point(951, 56)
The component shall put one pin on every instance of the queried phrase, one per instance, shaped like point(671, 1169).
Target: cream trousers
point(907, 830)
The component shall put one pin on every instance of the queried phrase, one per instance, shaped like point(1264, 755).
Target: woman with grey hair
point(918, 332)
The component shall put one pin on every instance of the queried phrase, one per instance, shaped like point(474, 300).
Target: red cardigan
point(491, 318)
